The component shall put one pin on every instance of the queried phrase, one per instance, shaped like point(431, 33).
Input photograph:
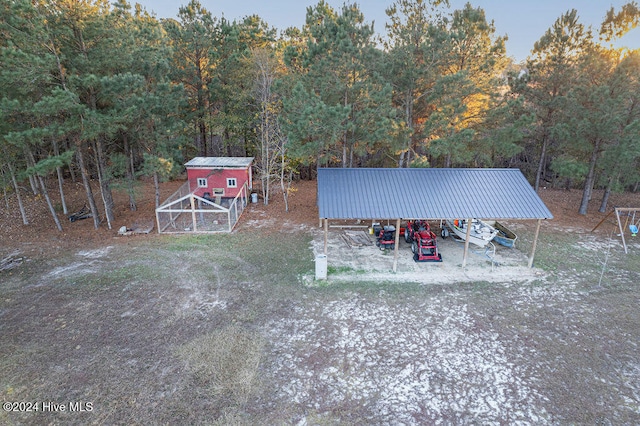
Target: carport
point(430, 194)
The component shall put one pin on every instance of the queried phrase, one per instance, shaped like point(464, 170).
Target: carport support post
point(326, 234)
point(535, 243)
point(466, 242)
point(395, 246)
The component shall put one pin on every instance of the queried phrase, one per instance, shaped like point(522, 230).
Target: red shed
point(212, 199)
point(219, 176)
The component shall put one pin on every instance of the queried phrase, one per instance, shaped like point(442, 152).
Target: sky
point(523, 21)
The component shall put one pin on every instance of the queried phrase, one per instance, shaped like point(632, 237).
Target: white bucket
point(254, 197)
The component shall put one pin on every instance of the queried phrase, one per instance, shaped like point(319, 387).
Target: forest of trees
point(105, 93)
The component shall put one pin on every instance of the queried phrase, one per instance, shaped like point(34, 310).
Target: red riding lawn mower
point(385, 236)
point(423, 241)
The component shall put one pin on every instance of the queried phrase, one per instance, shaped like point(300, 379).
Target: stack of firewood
point(356, 238)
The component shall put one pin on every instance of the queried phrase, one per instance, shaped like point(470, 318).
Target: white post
point(193, 213)
point(396, 244)
point(466, 243)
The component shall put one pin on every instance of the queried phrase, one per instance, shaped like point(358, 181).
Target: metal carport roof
point(427, 194)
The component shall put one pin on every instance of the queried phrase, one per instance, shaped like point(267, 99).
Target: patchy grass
point(343, 269)
point(338, 269)
point(222, 330)
point(225, 363)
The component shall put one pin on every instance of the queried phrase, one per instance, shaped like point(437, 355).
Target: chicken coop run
point(211, 201)
point(186, 212)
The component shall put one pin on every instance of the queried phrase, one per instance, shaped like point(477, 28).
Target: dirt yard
point(233, 329)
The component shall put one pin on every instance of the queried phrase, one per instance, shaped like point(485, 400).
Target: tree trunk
point(543, 159)
point(401, 159)
point(156, 187)
point(202, 104)
point(34, 185)
point(4, 190)
point(285, 193)
point(56, 152)
point(264, 182)
point(130, 173)
point(344, 154)
point(265, 148)
point(227, 143)
point(351, 156)
point(105, 183)
point(51, 209)
point(31, 163)
point(203, 137)
point(65, 211)
point(605, 197)
point(25, 221)
point(405, 156)
point(72, 171)
point(87, 186)
point(589, 182)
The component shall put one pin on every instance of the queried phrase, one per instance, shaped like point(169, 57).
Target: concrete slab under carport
point(369, 263)
point(398, 223)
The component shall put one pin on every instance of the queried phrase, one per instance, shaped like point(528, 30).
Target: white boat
point(481, 232)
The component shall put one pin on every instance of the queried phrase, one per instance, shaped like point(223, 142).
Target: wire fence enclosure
point(185, 212)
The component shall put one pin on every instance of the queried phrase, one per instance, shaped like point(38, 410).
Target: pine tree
point(416, 53)
point(340, 110)
point(193, 38)
point(549, 77)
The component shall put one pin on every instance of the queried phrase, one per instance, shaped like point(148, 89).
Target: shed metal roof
point(232, 162)
point(427, 194)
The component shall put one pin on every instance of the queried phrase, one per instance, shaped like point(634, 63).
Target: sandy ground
point(402, 363)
